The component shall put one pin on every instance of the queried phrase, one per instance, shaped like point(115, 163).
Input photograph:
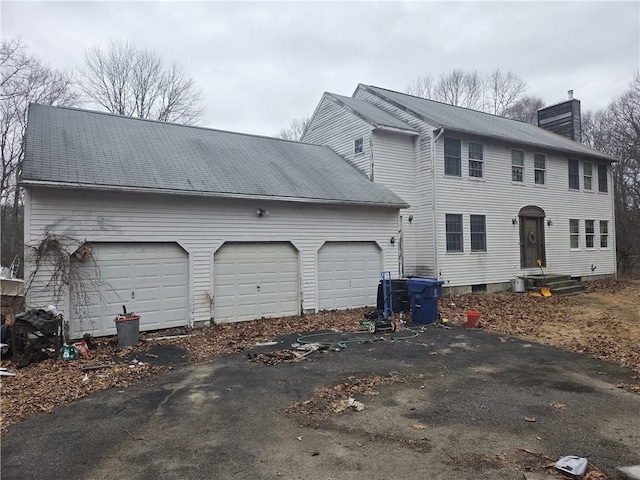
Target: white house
point(184, 225)
point(489, 197)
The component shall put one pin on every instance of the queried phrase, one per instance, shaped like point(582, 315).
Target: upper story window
point(587, 174)
point(574, 232)
point(604, 234)
point(476, 160)
point(589, 233)
point(603, 184)
point(453, 223)
point(452, 157)
point(478, 226)
point(540, 169)
point(358, 145)
point(517, 166)
point(574, 174)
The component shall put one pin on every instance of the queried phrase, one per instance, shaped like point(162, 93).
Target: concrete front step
point(561, 285)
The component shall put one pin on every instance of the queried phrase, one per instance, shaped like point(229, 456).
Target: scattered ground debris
point(335, 398)
point(603, 324)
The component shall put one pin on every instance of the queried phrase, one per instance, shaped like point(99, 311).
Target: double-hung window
point(604, 234)
point(476, 160)
point(540, 169)
point(478, 226)
point(603, 184)
point(358, 145)
point(587, 173)
point(517, 166)
point(574, 233)
point(452, 157)
point(454, 232)
point(574, 174)
point(589, 233)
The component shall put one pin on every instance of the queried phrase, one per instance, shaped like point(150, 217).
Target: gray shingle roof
point(92, 149)
point(372, 113)
point(484, 124)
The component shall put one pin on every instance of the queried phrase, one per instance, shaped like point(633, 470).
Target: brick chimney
point(563, 118)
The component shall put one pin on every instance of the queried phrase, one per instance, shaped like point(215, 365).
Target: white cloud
point(262, 64)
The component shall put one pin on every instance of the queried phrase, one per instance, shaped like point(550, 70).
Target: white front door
point(348, 274)
point(255, 280)
point(150, 279)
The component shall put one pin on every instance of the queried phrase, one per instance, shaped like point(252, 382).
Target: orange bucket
point(473, 319)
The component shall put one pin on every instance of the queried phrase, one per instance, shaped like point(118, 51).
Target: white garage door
point(255, 280)
point(150, 279)
point(348, 274)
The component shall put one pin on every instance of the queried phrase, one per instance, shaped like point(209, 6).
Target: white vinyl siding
point(202, 225)
point(517, 166)
point(255, 280)
point(348, 274)
point(340, 129)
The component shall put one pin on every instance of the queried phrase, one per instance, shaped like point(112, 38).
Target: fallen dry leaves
point(604, 324)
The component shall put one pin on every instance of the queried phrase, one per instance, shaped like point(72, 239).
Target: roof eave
point(602, 156)
point(192, 193)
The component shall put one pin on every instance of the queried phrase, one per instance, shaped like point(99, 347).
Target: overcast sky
point(262, 64)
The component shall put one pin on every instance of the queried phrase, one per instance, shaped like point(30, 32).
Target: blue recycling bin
point(424, 294)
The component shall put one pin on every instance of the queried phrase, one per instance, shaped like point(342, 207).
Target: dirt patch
point(603, 323)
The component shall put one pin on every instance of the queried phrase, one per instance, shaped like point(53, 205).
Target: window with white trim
point(476, 160)
point(517, 166)
point(540, 168)
point(478, 230)
point(574, 174)
point(587, 175)
point(603, 184)
point(574, 233)
point(453, 224)
point(452, 157)
point(604, 234)
point(358, 145)
point(589, 233)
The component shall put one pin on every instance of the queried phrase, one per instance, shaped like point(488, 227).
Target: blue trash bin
point(424, 293)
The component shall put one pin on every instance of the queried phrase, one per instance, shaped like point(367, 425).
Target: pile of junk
point(32, 336)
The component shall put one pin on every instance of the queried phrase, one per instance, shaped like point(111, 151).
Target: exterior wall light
point(393, 240)
point(514, 221)
point(549, 222)
point(261, 212)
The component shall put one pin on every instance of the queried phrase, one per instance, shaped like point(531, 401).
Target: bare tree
point(616, 130)
point(493, 93)
point(422, 87)
point(126, 80)
point(24, 80)
point(294, 130)
point(525, 109)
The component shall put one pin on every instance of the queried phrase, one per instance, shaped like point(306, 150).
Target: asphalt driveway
point(470, 400)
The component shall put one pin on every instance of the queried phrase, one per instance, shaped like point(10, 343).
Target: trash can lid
point(418, 284)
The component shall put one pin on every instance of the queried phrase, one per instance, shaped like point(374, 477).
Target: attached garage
point(348, 274)
point(150, 279)
point(255, 280)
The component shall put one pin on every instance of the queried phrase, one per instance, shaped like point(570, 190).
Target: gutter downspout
point(613, 223)
point(434, 202)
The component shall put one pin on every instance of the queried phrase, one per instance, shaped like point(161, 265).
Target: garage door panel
point(240, 268)
point(157, 274)
point(348, 274)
